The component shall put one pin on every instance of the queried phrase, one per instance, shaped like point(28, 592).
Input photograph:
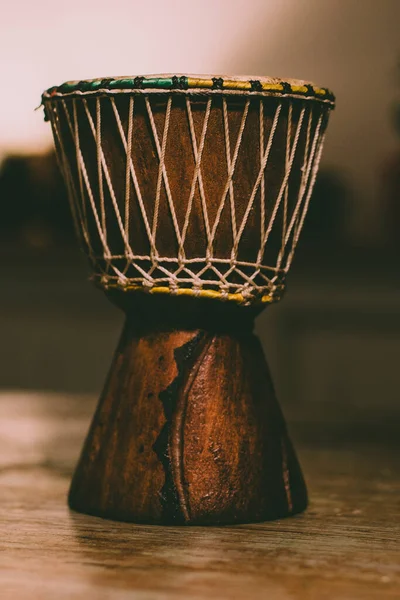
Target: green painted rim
point(265, 86)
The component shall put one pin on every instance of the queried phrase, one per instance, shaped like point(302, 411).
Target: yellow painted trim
point(299, 89)
point(200, 83)
point(272, 87)
point(212, 294)
point(236, 85)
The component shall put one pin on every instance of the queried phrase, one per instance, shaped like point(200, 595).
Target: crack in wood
point(171, 495)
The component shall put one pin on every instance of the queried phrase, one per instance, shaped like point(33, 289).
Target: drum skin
point(188, 429)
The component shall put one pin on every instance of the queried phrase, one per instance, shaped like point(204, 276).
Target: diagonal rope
point(262, 199)
point(206, 274)
point(128, 165)
point(103, 164)
point(307, 159)
point(75, 136)
point(284, 183)
point(99, 169)
point(307, 201)
point(161, 157)
point(197, 176)
point(306, 169)
point(287, 157)
point(230, 177)
point(311, 158)
point(126, 144)
point(161, 168)
point(107, 254)
point(259, 177)
point(82, 173)
point(229, 165)
point(66, 172)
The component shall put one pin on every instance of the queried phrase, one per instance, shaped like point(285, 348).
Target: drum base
point(188, 431)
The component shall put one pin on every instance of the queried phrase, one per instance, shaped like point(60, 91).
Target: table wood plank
point(345, 547)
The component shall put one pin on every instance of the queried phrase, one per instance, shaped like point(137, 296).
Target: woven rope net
point(101, 205)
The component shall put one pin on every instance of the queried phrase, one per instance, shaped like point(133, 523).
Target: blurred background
point(333, 343)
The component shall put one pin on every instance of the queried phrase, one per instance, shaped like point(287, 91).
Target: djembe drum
point(189, 195)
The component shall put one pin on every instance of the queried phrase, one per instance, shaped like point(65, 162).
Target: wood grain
point(346, 547)
point(188, 429)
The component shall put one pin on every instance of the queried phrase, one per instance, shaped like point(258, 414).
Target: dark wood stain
point(195, 438)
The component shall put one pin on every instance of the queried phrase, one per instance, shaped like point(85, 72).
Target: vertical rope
point(75, 135)
point(202, 274)
point(259, 177)
point(161, 167)
point(197, 176)
point(230, 178)
point(307, 200)
point(229, 165)
point(66, 172)
point(74, 129)
point(128, 166)
point(308, 159)
point(161, 158)
point(284, 183)
point(134, 177)
point(287, 157)
point(107, 254)
point(262, 198)
point(103, 164)
point(99, 169)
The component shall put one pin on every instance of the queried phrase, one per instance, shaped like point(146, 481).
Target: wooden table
point(347, 545)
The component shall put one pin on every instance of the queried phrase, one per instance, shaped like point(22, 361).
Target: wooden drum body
point(189, 195)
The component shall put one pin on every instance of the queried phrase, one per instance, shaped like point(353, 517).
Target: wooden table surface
point(347, 545)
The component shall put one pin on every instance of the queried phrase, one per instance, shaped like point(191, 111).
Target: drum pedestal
point(188, 429)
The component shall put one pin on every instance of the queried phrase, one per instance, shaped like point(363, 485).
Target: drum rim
point(194, 84)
